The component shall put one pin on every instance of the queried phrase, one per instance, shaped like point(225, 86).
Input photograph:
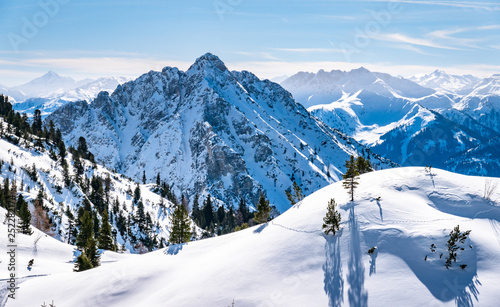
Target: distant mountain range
point(51, 91)
point(445, 83)
point(407, 121)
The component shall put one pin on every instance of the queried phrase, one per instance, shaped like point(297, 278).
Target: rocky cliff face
point(209, 130)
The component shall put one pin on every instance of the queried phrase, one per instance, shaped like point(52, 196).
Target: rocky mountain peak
point(208, 61)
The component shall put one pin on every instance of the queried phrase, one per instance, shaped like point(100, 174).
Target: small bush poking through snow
point(455, 236)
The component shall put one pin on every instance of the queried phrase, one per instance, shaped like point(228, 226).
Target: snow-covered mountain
point(445, 83)
point(209, 130)
point(47, 85)
point(401, 126)
point(488, 86)
point(325, 87)
point(401, 130)
point(51, 91)
point(406, 213)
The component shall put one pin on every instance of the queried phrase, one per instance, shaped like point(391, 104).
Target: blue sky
point(270, 38)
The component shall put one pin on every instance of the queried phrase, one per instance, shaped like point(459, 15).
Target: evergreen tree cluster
point(19, 125)
point(220, 220)
point(10, 199)
point(296, 195)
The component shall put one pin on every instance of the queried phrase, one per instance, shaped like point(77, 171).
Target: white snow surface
point(290, 262)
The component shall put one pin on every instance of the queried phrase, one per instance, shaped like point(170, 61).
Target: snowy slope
point(488, 86)
point(290, 262)
point(209, 130)
point(18, 159)
point(50, 257)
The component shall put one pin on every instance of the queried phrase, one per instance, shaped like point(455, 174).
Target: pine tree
point(87, 244)
point(296, 195)
point(24, 213)
point(92, 252)
point(137, 193)
point(82, 147)
point(97, 196)
point(86, 230)
point(181, 226)
point(82, 263)
point(72, 231)
point(263, 210)
point(208, 213)
point(243, 212)
point(331, 221)
point(363, 165)
point(105, 236)
point(196, 212)
point(143, 177)
point(36, 128)
point(13, 195)
point(350, 177)
point(229, 221)
point(141, 216)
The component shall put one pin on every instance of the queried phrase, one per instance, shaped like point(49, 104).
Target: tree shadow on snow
point(469, 206)
point(460, 285)
point(358, 296)
point(173, 249)
point(260, 228)
point(373, 262)
point(334, 280)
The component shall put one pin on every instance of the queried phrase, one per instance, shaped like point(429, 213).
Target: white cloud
point(488, 6)
point(412, 48)
point(398, 37)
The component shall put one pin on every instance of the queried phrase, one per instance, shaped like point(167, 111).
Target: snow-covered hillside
point(209, 130)
point(38, 171)
point(290, 262)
